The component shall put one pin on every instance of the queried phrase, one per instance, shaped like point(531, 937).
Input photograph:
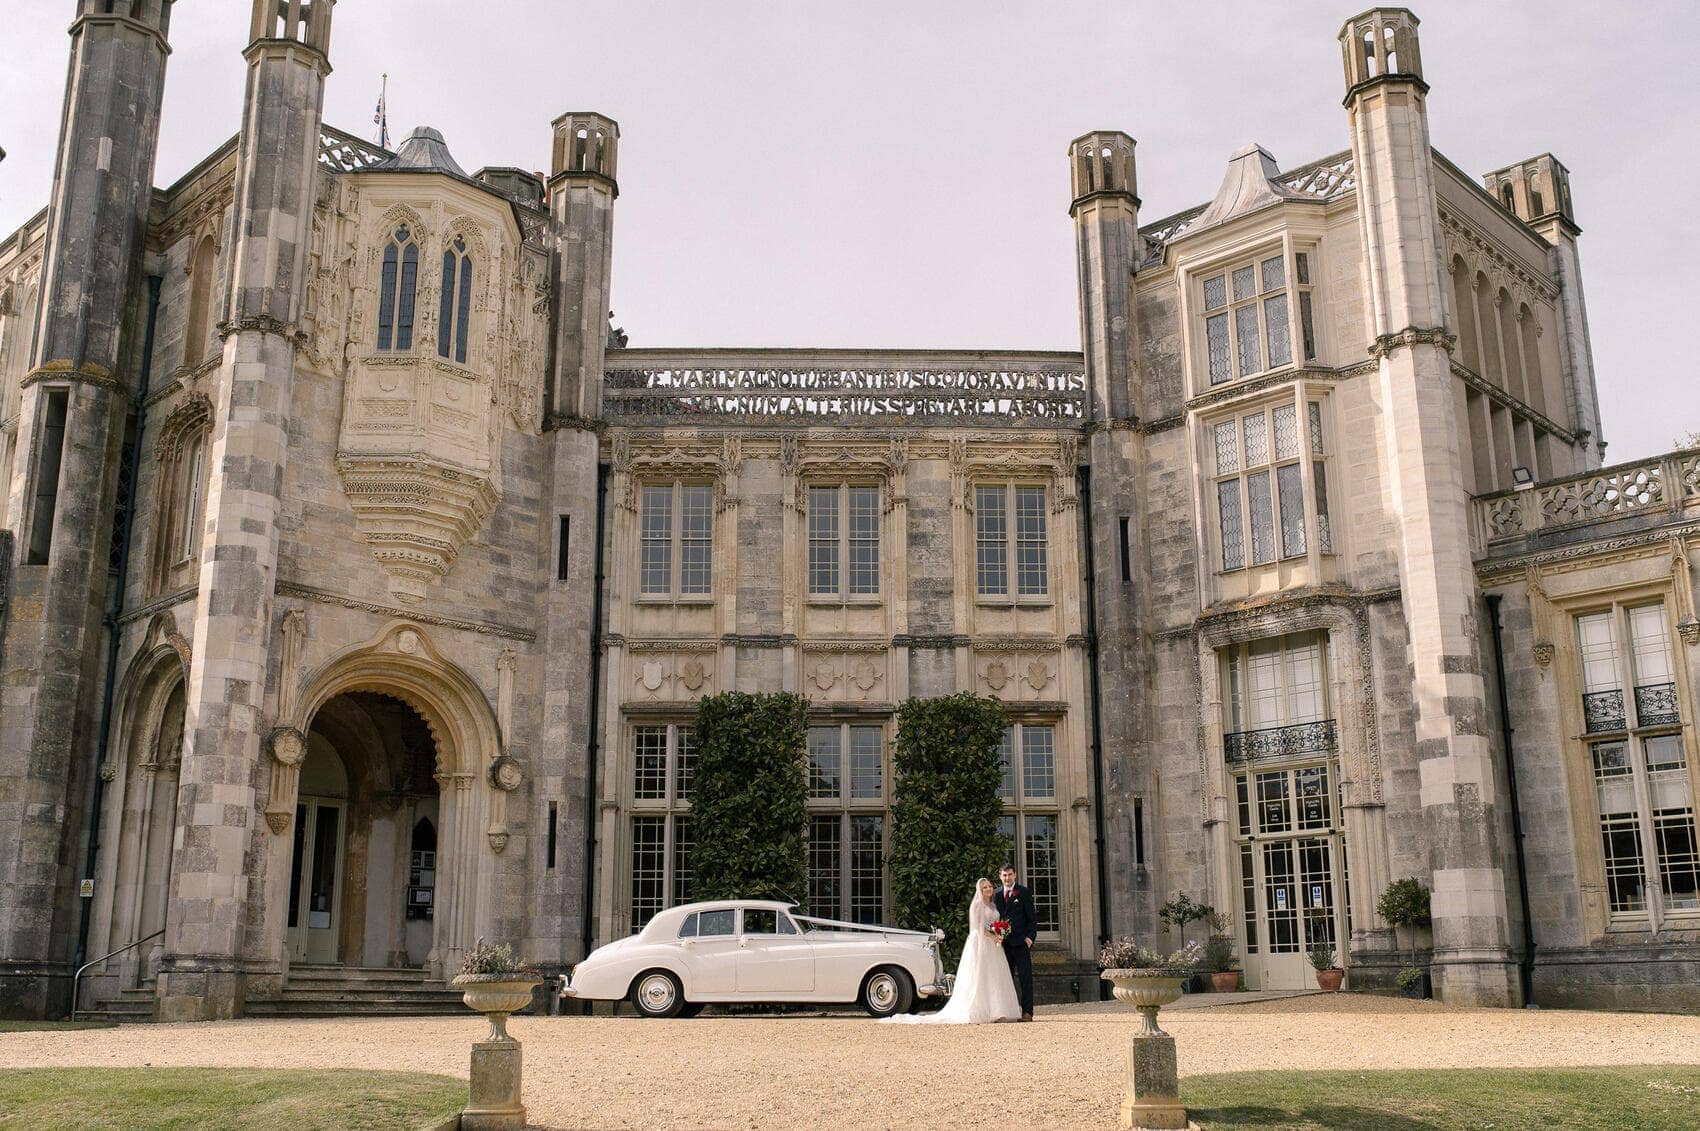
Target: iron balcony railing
point(1655, 705)
point(1319, 737)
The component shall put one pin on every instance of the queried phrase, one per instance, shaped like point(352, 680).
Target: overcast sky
point(882, 173)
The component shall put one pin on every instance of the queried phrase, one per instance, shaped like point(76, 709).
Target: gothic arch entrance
point(369, 777)
point(138, 824)
point(387, 805)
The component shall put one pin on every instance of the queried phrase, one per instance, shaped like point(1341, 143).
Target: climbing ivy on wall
point(945, 810)
point(747, 801)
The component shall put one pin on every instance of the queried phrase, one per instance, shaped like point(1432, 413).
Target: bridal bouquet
point(1000, 929)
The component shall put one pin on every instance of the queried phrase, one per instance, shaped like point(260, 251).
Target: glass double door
point(1292, 875)
point(315, 880)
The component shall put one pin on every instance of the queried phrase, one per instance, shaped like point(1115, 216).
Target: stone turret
point(203, 973)
point(1108, 250)
point(75, 397)
point(1460, 788)
point(582, 188)
point(1537, 191)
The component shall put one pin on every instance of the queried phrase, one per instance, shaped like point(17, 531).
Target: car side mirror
point(687, 942)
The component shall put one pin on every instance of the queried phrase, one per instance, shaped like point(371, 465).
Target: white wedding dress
point(984, 991)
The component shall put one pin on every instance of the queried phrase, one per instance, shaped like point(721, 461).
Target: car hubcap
point(656, 993)
point(882, 991)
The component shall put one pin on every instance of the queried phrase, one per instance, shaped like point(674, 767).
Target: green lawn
point(225, 1097)
point(1643, 1098)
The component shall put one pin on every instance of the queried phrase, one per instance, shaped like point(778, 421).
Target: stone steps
point(133, 1004)
point(356, 991)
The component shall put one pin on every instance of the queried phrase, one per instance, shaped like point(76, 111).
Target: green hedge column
point(747, 799)
point(946, 811)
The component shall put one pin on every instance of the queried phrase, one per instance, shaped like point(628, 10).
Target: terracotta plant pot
point(1225, 981)
point(1147, 991)
point(1330, 980)
point(496, 996)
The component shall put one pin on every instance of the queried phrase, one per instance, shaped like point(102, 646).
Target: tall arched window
point(202, 265)
point(455, 311)
point(1464, 304)
point(395, 292)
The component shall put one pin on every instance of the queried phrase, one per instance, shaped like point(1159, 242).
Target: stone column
point(70, 426)
point(1403, 259)
point(582, 189)
point(201, 976)
point(1105, 210)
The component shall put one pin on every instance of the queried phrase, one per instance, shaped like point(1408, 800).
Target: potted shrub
point(1405, 906)
point(1412, 982)
point(1328, 975)
point(494, 982)
point(1180, 913)
point(1146, 979)
point(1219, 957)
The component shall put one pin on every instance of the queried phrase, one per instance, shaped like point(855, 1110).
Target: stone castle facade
point(359, 583)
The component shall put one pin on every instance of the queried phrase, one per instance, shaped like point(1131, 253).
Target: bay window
point(1249, 316)
point(1643, 796)
point(1261, 461)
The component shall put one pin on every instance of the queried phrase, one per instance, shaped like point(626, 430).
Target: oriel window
point(396, 288)
point(1248, 317)
point(454, 311)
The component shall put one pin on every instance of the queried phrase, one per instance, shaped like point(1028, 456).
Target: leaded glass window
point(1248, 317)
point(847, 808)
point(1027, 755)
point(398, 282)
point(998, 540)
point(454, 307)
point(1643, 797)
point(844, 541)
point(663, 757)
point(676, 525)
point(1261, 499)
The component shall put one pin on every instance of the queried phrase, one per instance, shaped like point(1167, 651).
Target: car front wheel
point(657, 993)
point(886, 991)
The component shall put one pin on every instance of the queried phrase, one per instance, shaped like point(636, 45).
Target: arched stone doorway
point(139, 817)
point(380, 739)
point(357, 894)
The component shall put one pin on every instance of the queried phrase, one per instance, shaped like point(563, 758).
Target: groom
point(1015, 903)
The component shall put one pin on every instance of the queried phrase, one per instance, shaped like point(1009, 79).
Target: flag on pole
point(381, 116)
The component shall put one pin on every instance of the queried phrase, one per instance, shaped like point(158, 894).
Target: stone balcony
point(1611, 502)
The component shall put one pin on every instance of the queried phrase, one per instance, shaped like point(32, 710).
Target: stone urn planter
point(1329, 980)
point(1147, 991)
point(1225, 981)
point(496, 996)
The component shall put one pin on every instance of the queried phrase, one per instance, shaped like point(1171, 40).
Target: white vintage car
point(760, 951)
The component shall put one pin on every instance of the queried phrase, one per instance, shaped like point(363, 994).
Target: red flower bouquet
point(1000, 929)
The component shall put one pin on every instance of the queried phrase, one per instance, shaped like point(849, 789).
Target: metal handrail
point(77, 977)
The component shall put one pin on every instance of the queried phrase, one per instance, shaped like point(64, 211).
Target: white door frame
point(307, 943)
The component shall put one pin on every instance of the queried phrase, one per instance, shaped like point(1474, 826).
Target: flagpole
point(383, 115)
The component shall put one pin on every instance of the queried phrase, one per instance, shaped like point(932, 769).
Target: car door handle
point(743, 944)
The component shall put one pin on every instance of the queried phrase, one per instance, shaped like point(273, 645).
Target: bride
point(984, 990)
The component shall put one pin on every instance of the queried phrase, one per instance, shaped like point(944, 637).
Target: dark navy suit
point(1017, 907)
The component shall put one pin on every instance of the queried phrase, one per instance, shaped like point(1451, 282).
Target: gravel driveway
point(1063, 1071)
